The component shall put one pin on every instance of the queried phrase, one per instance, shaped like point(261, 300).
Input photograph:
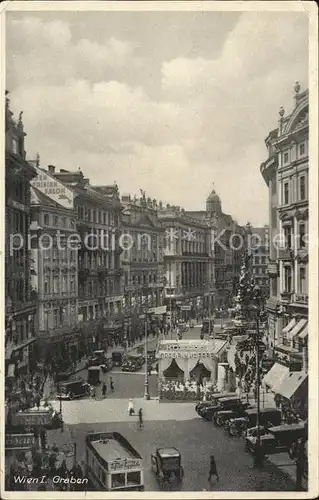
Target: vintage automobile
point(207, 326)
point(267, 416)
point(287, 435)
point(221, 417)
point(213, 401)
point(166, 463)
point(117, 357)
point(132, 363)
point(73, 389)
point(94, 375)
point(221, 405)
point(268, 443)
point(107, 365)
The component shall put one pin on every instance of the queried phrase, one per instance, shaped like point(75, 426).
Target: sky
point(174, 103)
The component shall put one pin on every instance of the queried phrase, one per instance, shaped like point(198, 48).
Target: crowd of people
point(185, 390)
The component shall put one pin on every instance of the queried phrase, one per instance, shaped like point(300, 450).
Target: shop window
point(118, 480)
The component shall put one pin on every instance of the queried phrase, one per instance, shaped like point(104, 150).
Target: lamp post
point(146, 383)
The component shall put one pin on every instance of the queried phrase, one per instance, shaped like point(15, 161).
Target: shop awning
point(291, 384)
point(304, 333)
point(297, 329)
point(290, 325)
point(276, 374)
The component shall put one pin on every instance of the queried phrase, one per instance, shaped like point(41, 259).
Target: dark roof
point(168, 452)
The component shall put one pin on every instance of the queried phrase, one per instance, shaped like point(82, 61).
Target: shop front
point(188, 367)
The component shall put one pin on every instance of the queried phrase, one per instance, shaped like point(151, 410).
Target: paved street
point(196, 439)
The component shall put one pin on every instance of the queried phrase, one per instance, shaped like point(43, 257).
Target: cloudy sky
point(167, 102)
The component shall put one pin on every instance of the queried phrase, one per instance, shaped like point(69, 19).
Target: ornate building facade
point(260, 256)
point(286, 174)
point(20, 299)
point(55, 263)
point(141, 259)
point(100, 294)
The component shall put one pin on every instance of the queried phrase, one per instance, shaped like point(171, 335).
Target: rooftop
point(110, 449)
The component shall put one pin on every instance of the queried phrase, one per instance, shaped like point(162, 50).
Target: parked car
point(213, 401)
point(73, 389)
point(267, 416)
point(268, 444)
point(222, 404)
point(221, 417)
point(117, 357)
point(287, 435)
point(132, 363)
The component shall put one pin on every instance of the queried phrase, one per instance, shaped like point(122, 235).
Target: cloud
point(197, 121)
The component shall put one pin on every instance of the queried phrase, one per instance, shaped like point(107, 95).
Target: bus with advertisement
point(112, 464)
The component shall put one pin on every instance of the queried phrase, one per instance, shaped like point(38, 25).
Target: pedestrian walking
point(131, 410)
point(213, 469)
point(140, 417)
point(104, 389)
point(111, 384)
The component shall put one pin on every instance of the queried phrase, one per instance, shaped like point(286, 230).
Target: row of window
point(299, 240)
point(59, 285)
point(289, 282)
point(302, 191)
point(261, 260)
point(300, 153)
point(259, 270)
point(143, 279)
point(97, 216)
point(55, 318)
point(56, 221)
point(98, 311)
point(94, 288)
point(63, 254)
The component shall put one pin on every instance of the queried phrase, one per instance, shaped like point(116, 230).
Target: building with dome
point(228, 241)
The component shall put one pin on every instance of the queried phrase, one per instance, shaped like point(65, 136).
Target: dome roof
point(213, 197)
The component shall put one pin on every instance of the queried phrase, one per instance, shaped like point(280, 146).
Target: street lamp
point(146, 383)
point(258, 458)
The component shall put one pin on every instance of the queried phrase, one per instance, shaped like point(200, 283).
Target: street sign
point(32, 418)
point(19, 441)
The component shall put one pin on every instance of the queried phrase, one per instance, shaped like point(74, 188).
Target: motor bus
point(112, 464)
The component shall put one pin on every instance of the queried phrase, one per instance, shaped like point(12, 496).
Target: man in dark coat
point(213, 469)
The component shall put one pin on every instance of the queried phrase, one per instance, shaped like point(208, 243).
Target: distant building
point(286, 173)
point(55, 264)
point(227, 241)
point(259, 247)
point(141, 260)
point(20, 299)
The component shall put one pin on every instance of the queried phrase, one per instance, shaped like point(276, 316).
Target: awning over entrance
point(290, 325)
point(191, 348)
point(291, 384)
point(303, 334)
point(297, 328)
point(275, 375)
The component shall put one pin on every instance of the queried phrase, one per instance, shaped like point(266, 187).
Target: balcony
point(285, 254)
point(286, 296)
point(272, 269)
point(300, 298)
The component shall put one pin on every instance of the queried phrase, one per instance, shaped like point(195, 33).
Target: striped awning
point(290, 325)
point(291, 384)
point(276, 374)
point(303, 334)
point(297, 328)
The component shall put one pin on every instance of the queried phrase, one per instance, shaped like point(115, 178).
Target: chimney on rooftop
point(51, 169)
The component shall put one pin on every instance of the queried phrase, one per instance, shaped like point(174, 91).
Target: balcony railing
point(300, 298)
point(286, 296)
point(285, 254)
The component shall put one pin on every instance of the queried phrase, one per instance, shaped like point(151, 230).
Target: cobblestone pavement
point(196, 439)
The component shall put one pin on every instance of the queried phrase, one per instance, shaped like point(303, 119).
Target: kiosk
point(191, 359)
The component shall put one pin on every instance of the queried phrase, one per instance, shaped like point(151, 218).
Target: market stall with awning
point(275, 375)
point(186, 354)
point(292, 385)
